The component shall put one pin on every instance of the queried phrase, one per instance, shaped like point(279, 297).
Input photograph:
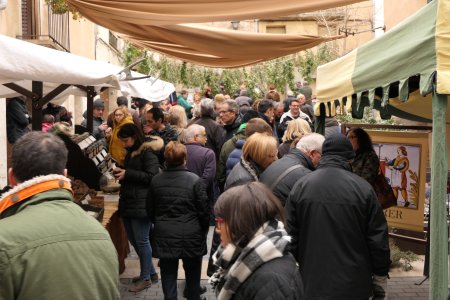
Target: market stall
point(405, 72)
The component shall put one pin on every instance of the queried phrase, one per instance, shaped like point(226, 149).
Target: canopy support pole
point(36, 111)
point(439, 230)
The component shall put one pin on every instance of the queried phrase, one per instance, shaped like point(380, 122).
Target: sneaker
point(202, 291)
point(139, 286)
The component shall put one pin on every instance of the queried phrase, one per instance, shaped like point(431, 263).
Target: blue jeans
point(138, 234)
point(169, 273)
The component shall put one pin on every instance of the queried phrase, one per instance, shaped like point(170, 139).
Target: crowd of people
point(293, 219)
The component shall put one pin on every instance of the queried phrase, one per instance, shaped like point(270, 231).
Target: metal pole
point(438, 225)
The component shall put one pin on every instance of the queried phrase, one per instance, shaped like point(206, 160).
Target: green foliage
point(401, 258)
point(368, 118)
point(308, 63)
point(61, 7)
point(279, 72)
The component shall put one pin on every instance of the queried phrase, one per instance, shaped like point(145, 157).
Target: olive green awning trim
point(403, 89)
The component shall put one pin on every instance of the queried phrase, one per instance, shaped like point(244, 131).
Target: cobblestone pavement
point(399, 287)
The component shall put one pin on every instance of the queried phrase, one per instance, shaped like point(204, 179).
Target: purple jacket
point(201, 161)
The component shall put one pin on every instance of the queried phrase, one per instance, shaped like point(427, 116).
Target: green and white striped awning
point(398, 69)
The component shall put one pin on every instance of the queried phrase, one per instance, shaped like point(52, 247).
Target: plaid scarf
point(236, 265)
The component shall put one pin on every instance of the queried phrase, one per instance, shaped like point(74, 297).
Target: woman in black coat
point(179, 208)
point(253, 258)
point(141, 164)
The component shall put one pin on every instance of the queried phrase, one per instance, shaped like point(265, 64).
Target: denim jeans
point(169, 272)
point(138, 234)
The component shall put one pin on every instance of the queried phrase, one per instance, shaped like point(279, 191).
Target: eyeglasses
point(219, 221)
point(118, 115)
point(224, 112)
point(201, 134)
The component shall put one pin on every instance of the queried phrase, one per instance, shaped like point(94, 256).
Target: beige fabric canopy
point(158, 25)
point(215, 47)
point(156, 12)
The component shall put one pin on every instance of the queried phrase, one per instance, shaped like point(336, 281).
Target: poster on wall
point(400, 165)
point(403, 161)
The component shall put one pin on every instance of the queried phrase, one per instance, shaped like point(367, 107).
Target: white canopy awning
point(23, 62)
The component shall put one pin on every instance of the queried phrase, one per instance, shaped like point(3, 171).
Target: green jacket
point(51, 249)
point(185, 104)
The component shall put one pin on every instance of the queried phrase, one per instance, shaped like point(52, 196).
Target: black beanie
point(249, 114)
point(122, 100)
point(338, 144)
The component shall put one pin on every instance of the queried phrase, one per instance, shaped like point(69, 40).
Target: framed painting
point(403, 161)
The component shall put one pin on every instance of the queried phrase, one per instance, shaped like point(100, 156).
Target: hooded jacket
point(116, 148)
point(51, 249)
point(336, 222)
point(140, 166)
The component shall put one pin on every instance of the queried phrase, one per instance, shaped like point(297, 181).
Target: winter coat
point(284, 149)
point(96, 132)
point(179, 208)
point(336, 222)
point(167, 134)
point(51, 249)
point(140, 166)
point(214, 132)
point(242, 173)
point(201, 161)
point(116, 148)
point(285, 185)
point(227, 148)
point(17, 119)
point(235, 156)
point(366, 164)
point(231, 129)
point(186, 105)
point(263, 284)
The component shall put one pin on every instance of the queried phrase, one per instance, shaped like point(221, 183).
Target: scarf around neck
point(236, 265)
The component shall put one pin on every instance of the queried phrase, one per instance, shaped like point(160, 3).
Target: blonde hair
point(258, 146)
point(219, 98)
point(177, 116)
point(296, 128)
point(124, 110)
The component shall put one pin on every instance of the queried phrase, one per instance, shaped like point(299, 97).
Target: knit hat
point(121, 100)
point(98, 103)
point(338, 144)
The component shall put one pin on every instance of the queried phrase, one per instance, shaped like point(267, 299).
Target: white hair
point(192, 131)
point(311, 142)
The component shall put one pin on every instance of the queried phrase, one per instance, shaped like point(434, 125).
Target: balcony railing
point(58, 32)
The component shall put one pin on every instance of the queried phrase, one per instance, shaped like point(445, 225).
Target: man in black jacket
point(339, 232)
point(282, 174)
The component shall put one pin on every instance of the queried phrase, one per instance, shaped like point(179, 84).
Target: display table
point(113, 223)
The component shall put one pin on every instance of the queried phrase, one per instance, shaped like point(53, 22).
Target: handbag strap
point(282, 175)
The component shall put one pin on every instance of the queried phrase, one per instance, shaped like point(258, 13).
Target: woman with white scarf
point(253, 259)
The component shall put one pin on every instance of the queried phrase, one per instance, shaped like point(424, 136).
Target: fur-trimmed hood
point(33, 181)
point(153, 142)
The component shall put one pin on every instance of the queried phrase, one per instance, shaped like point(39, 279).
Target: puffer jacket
point(179, 208)
point(276, 279)
point(51, 249)
point(285, 184)
point(140, 166)
point(242, 173)
point(235, 156)
point(336, 222)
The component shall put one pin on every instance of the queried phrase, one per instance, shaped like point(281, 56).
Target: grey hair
point(192, 131)
point(311, 142)
point(207, 107)
point(196, 111)
point(232, 106)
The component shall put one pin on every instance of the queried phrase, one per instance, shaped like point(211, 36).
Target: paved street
point(401, 286)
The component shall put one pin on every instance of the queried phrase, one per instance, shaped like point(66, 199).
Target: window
point(280, 29)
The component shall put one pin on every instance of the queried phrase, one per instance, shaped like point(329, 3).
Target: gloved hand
point(379, 285)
